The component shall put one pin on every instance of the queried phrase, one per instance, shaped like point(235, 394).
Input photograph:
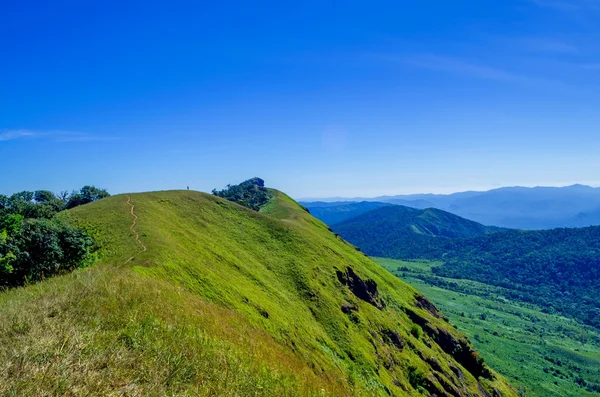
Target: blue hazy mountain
point(336, 212)
point(511, 207)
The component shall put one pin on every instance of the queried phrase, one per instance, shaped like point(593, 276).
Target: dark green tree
point(34, 244)
point(251, 193)
point(86, 195)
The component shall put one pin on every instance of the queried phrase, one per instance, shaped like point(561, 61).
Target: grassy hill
point(217, 299)
point(404, 232)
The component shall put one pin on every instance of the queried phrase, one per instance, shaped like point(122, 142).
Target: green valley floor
point(544, 355)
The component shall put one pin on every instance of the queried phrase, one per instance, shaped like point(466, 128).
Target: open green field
point(543, 354)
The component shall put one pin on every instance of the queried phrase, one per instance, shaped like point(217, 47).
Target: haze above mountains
point(532, 208)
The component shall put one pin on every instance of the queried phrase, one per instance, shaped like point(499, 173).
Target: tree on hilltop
point(251, 193)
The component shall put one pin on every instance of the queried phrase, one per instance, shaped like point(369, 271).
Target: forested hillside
point(558, 269)
point(404, 232)
point(543, 354)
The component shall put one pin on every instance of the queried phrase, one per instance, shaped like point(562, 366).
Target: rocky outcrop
point(365, 290)
point(425, 304)
point(460, 349)
point(462, 352)
point(348, 308)
point(394, 338)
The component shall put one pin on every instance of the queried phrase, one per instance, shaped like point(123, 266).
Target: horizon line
point(355, 198)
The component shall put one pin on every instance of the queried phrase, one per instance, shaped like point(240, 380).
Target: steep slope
point(339, 212)
point(403, 232)
point(228, 301)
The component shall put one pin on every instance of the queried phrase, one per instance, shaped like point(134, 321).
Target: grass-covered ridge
point(228, 301)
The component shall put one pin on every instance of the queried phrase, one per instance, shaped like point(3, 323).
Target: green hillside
point(404, 232)
point(201, 296)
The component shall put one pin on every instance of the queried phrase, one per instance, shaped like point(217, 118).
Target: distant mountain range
point(332, 213)
point(512, 207)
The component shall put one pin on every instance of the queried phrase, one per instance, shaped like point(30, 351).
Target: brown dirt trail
point(135, 233)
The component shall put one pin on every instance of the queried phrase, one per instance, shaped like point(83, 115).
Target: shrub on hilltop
point(251, 193)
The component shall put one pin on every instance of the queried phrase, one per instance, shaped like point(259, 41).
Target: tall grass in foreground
point(97, 332)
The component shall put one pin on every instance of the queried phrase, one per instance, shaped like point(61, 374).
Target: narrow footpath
point(135, 233)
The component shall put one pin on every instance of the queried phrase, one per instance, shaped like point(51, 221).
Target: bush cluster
point(34, 243)
point(251, 193)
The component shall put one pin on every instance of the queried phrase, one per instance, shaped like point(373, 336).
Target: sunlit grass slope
point(228, 301)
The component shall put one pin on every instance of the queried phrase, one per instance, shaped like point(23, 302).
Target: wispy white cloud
point(9, 135)
point(463, 67)
point(569, 5)
point(56, 136)
point(557, 4)
point(473, 69)
point(591, 66)
point(546, 45)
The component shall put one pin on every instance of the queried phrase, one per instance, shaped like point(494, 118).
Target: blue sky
point(319, 98)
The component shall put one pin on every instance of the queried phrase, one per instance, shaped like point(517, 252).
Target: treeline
point(557, 269)
point(45, 204)
point(251, 193)
point(34, 243)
